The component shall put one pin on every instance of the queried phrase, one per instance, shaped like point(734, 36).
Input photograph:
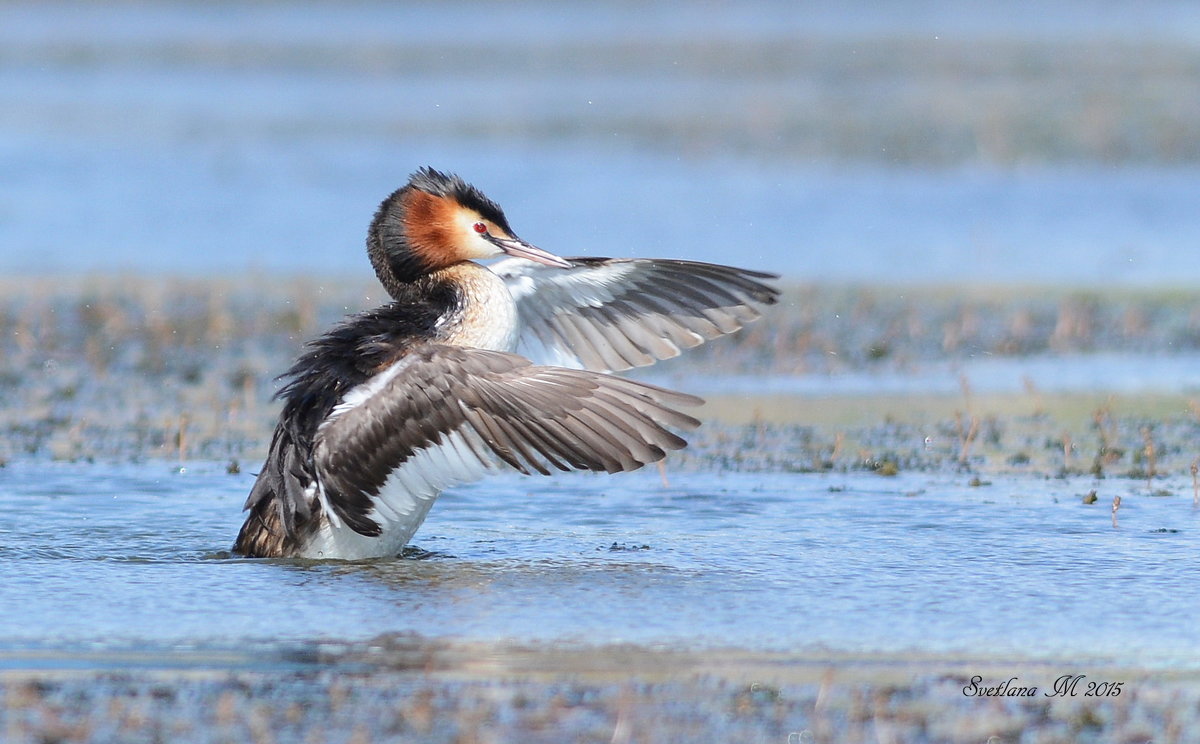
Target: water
point(188, 138)
point(105, 557)
point(1118, 373)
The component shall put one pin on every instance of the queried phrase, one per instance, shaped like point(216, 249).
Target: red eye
point(480, 228)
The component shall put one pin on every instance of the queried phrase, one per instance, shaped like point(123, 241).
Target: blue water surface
point(128, 556)
point(211, 139)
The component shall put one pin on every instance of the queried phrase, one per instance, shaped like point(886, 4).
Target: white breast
point(488, 316)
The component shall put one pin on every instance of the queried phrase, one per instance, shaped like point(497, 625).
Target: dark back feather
point(282, 513)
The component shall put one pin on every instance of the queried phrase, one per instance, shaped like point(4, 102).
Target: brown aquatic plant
point(839, 439)
point(1031, 389)
point(1194, 408)
point(966, 435)
point(1106, 428)
point(218, 321)
point(181, 437)
point(1149, 453)
point(1196, 482)
point(1075, 326)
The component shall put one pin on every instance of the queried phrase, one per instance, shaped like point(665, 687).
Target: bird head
point(438, 220)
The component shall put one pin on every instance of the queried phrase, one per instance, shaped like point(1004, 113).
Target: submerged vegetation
point(406, 690)
point(136, 368)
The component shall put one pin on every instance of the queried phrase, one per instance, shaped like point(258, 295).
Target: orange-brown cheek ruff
point(441, 232)
point(430, 224)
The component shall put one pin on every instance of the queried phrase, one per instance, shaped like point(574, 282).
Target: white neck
point(487, 318)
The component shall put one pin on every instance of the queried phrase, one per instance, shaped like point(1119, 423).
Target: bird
point(474, 368)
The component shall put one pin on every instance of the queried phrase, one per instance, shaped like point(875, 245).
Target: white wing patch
point(611, 315)
point(405, 498)
point(395, 442)
point(360, 394)
point(562, 289)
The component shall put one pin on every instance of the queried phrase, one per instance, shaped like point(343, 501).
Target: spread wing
point(444, 415)
point(610, 314)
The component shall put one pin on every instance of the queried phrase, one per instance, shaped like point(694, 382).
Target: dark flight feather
point(500, 400)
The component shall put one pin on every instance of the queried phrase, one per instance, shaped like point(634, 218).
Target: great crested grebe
point(397, 403)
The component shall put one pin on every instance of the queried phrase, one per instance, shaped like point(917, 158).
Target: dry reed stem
point(181, 437)
point(1031, 389)
point(839, 439)
point(1150, 455)
point(965, 385)
point(1196, 482)
point(967, 439)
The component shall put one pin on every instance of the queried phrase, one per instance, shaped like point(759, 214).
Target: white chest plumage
point(487, 315)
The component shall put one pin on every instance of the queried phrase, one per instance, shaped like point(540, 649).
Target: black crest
point(388, 245)
point(435, 182)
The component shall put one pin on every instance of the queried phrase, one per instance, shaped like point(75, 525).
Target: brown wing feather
point(505, 409)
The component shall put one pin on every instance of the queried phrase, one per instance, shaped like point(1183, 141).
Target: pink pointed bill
point(521, 249)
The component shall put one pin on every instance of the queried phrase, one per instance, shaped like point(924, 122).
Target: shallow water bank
point(134, 367)
point(408, 689)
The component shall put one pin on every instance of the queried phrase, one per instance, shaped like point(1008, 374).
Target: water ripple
point(766, 560)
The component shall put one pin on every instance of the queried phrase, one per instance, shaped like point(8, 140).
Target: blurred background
point(902, 142)
point(986, 218)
